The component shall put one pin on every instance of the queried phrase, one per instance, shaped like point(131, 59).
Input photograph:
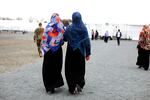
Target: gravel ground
point(111, 74)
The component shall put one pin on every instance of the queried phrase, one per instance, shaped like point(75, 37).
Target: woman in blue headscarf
point(52, 41)
point(78, 49)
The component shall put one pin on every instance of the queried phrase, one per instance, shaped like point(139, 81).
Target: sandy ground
point(16, 50)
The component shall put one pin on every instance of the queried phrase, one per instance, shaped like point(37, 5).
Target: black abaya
point(143, 58)
point(74, 68)
point(52, 66)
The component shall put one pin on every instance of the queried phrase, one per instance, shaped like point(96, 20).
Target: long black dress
point(143, 58)
point(74, 68)
point(52, 66)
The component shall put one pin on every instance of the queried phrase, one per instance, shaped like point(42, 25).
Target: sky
point(92, 11)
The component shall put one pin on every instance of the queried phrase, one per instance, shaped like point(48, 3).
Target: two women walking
point(78, 49)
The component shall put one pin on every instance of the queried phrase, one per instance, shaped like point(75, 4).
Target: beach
point(16, 50)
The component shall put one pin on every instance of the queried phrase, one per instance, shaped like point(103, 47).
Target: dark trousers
point(106, 39)
point(92, 37)
point(118, 40)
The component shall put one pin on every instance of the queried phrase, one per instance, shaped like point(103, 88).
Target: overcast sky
point(93, 11)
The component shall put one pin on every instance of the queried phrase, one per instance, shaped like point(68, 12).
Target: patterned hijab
point(144, 38)
point(77, 35)
point(52, 38)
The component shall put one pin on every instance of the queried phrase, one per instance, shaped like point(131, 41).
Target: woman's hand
point(87, 58)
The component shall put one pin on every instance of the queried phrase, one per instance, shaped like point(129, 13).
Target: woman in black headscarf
point(78, 49)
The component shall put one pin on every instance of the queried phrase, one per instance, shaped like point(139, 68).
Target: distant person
point(93, 34)
point(118, 36)
point(52, 42)
point(144, 48)
point(106, 36)
point(78, 50)
point(96, 34)
point(38, 37)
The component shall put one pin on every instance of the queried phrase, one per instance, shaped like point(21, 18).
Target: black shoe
point(40, 54)
point(79, 89)
point(51, 91)
point(145, 69)
point(140, 67)
point(72, 92)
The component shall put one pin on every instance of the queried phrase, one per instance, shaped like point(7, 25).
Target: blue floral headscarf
point(52, 38)
point(77, 35)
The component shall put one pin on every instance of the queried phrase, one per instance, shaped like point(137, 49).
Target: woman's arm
point(88, 49)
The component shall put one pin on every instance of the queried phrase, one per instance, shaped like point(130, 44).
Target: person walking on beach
point(38, 37)
point(144, 48)
point(118, 36)
point(78, 49)
point(52, 41)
